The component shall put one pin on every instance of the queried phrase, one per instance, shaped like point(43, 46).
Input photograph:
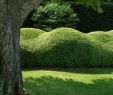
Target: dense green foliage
point(68, 82)
point(54, 15)
point(95, 4)
point(66, 47)
point(94, 21)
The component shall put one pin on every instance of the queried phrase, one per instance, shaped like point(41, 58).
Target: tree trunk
point(10, 70)
point(29, 6)
point(11, 14)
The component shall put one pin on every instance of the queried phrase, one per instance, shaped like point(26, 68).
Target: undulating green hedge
point(66, 47)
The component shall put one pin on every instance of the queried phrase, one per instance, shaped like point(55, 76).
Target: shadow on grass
point(77, 70)
point(90, 71)
point(47, 85)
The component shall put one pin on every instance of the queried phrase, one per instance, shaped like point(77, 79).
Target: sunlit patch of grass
point(69, 82)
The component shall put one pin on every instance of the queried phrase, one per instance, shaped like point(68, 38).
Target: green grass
point(69, 82)
point(66, 47)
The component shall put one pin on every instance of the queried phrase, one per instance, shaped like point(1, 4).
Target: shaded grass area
point(69, 82)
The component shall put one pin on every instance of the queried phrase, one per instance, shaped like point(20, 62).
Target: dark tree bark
point(10, 20)
point(12, 14)
point(28, 6)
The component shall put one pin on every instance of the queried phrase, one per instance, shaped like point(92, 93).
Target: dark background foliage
point(89, 19)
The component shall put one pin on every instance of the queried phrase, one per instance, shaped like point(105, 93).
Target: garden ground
point(68, 82)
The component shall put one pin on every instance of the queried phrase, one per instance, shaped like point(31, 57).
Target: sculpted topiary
point(66, 47)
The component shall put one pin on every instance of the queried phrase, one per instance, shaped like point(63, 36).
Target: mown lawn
point(68, 82)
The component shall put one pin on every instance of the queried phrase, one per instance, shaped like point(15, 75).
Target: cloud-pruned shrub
point(66, 47)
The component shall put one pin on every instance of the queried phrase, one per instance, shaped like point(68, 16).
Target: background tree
point(59, 13)
point(54, 15)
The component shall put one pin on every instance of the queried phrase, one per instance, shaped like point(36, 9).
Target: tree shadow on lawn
point(88, 70)
point(76, 70)
point(47, 85)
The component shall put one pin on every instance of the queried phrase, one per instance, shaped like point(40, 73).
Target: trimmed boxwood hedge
point(66, 47)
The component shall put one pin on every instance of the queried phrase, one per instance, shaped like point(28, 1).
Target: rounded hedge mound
point(30, 33)
point(65, 47)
